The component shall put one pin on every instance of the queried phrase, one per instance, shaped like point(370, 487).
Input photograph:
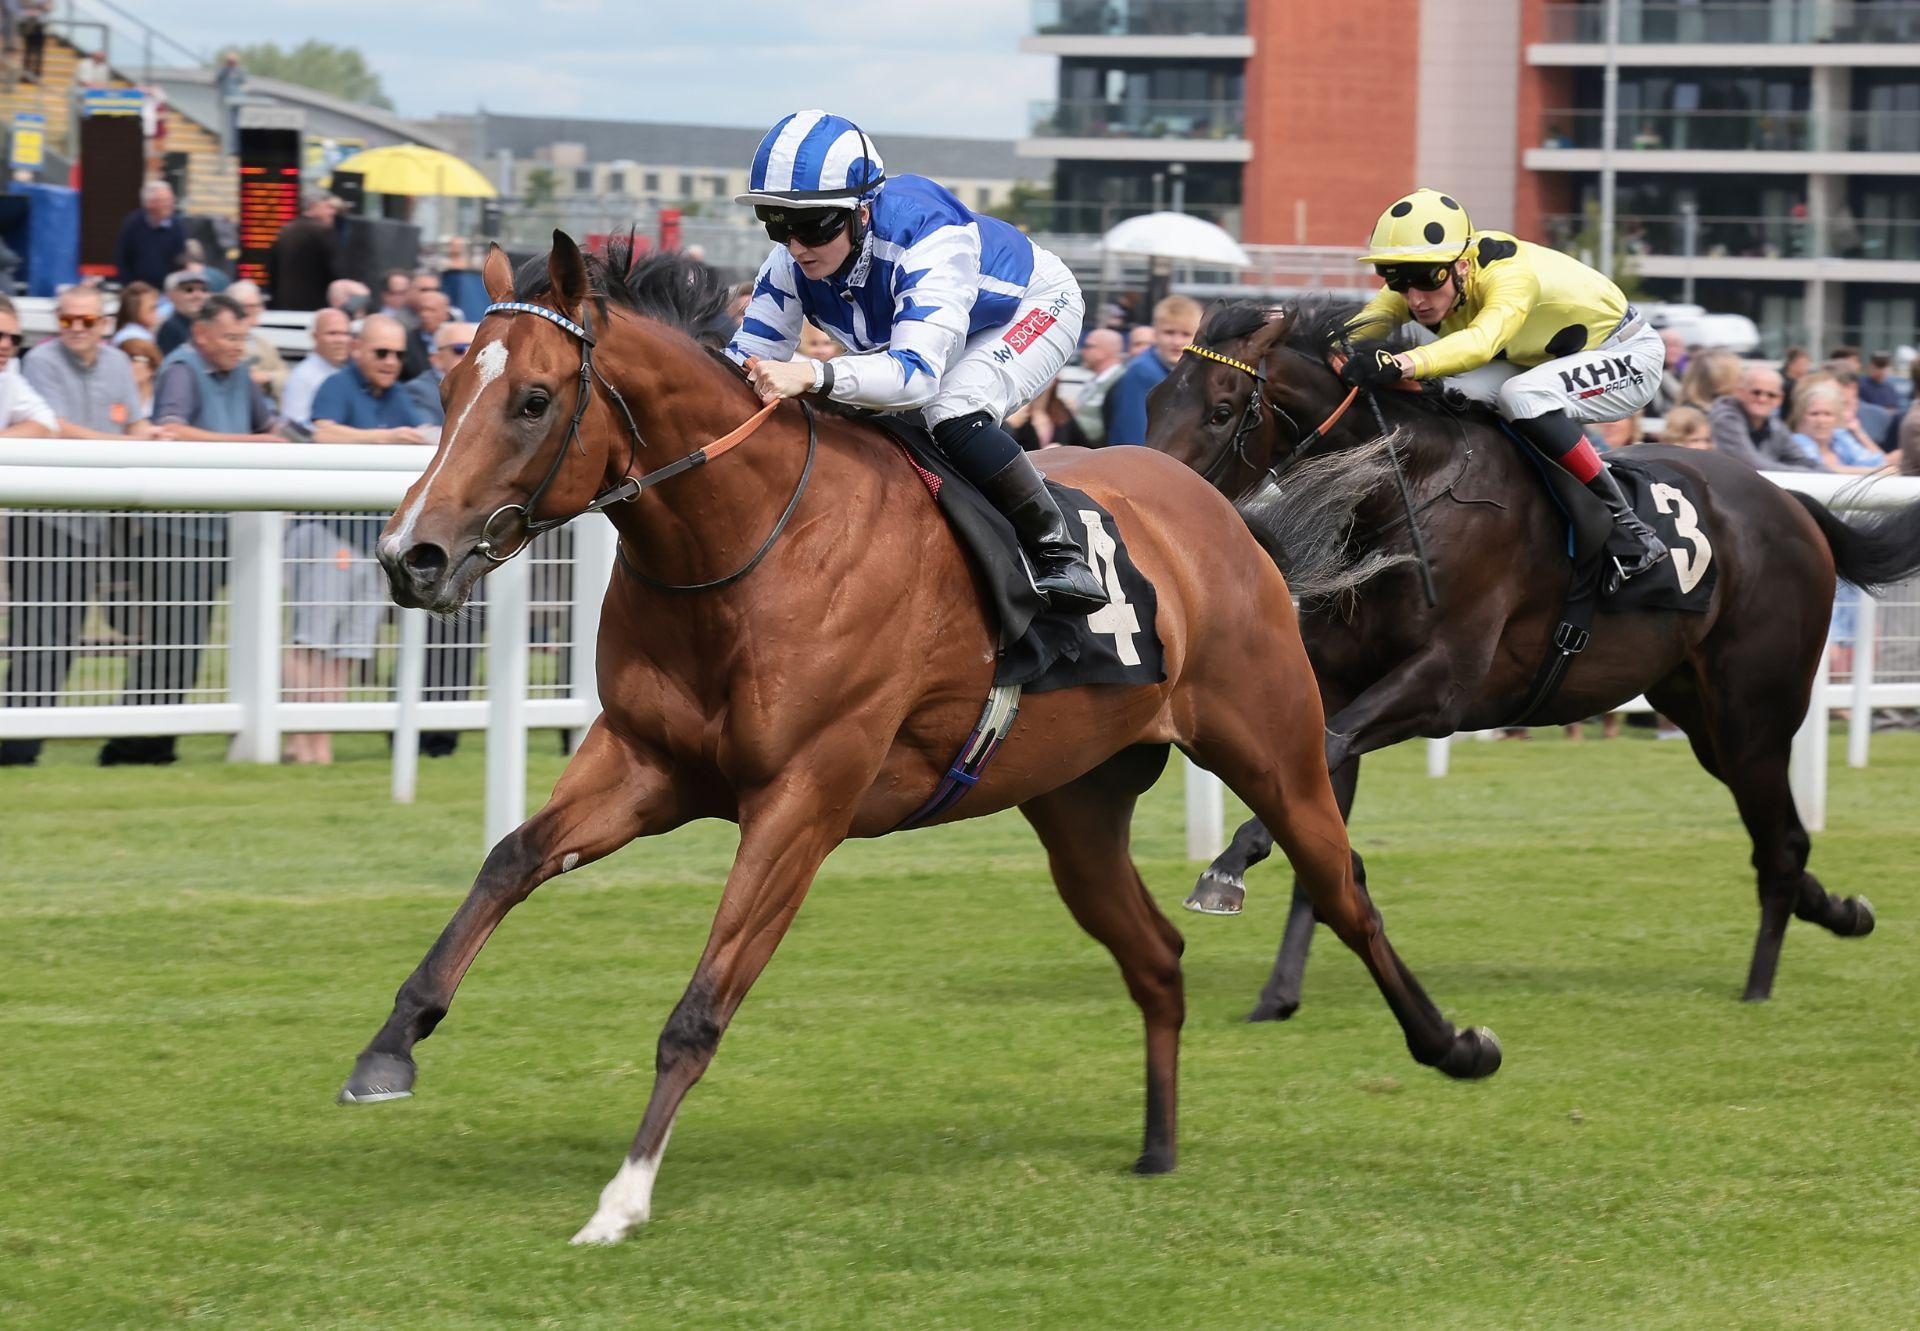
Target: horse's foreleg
point(782, 843)
point(1280, 998)
point(1222, 887)
point(608, 795)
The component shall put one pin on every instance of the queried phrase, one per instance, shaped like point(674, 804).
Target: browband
point(551, 316)
point(1225, 360)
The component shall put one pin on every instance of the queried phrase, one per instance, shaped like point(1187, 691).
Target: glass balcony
point(1140, 18)
point(1683, 131)
point(1669, 22)
point(1139, 120)
point(1878, 132)
point(1847, 237)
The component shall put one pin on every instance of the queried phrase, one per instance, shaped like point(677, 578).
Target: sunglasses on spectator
point(190, 286)
point(812, 227)
point(1402, 277)
point(79, 320)
point(456, 348)
point(12, 339)
point(1764, 392)
point(386, 353)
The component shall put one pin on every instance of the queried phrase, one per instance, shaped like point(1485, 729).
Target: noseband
point(1250, 418)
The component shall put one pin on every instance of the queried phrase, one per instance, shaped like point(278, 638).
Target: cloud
point(895, 67)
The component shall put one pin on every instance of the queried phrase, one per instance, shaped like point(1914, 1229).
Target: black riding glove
point(1371, 366)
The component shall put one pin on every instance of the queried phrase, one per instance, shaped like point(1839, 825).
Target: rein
point(629, 486)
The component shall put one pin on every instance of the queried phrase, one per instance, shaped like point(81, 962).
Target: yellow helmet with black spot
point(1424, 227)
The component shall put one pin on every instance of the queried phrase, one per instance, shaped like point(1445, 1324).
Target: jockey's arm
point(1508, 293)
point(935, 283)
point(770, 329)
point(1380, 316)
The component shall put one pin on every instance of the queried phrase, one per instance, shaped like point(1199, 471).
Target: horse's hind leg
point(1280, 771)
point(608, 795)
point(1280, 999)
point(1085, 828)
point(1748, 745)
point(1222, 886)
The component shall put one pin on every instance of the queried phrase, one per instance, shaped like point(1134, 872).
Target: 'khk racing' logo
point(1599, 376)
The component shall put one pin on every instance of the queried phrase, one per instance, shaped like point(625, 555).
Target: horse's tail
point(1305, 520)
point(1874, 550)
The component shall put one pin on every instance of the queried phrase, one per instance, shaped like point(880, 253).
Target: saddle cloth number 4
point(1116, 617)
point(1689, 565)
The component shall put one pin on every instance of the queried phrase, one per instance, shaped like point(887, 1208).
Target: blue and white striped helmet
point(814, 160)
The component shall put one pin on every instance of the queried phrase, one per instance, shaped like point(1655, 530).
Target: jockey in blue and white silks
point(944, 310)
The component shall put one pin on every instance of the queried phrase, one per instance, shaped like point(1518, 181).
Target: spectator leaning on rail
point(203, 390)
point(332, 335)
point(51, 564)
point(1548, 342)
point(364, 403)
point(1746, 424)
point(943, 309)
point(89, 384)
point(151, 239)
point(1176, 321)
point(450, 343)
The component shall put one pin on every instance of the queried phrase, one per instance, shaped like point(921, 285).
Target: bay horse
point(793, 640)
point(1391, 666)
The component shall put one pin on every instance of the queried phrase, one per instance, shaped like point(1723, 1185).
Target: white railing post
point(254, 581)
point(1439, 751)
point(1860, 716)
point(1809, 761)
point(1206, 813)
point(594, 543)
point(507, 603)
point(409, 674)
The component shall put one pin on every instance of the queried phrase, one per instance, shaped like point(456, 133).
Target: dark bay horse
point(1391, 667)
point(823, 696)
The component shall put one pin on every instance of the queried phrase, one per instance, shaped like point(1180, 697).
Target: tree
point(322, 66)
point(1585, 246)
point(541, 187)
point(1029, 207)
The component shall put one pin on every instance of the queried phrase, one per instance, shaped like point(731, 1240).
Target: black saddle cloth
point(1039, 649)
point(1668, 500)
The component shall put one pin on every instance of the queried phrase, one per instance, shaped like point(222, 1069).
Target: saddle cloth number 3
point(1689, 566)
point(1116, 617)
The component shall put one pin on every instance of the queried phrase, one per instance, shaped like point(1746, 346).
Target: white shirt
point(19, 402)
point(296, 399)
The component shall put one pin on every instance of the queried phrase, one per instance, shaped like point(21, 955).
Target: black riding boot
point(1059, 569)
point(1557, 434)
point(1651, 549)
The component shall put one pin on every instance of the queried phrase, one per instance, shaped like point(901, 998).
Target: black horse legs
point(1280, 997)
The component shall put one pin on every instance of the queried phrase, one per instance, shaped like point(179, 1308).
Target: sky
point(902, 65)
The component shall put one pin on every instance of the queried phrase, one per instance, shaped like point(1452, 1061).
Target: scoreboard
point(270, 157)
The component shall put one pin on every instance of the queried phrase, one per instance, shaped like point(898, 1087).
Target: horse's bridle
point(1236, 447)
point(629, 485)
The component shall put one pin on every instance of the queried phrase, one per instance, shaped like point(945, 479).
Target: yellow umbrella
point(409, 168)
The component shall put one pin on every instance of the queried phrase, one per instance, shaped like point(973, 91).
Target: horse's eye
point(1221, 414)
point(536, 407)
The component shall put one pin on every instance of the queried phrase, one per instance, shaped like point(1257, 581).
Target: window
point(717, 186)
point(982, 199)
point(583, 180)
point(686, 185)
point(616, 182)
point(652, 182)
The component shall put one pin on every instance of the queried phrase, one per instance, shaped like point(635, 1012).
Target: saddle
point(1670, 502)
point(1039, 650)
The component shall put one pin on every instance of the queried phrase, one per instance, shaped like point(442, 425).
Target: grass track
point(923, 1115)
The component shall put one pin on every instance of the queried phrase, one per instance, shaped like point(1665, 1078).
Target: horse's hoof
point(1274, 1009)
point(1862, 919)
point(378, 1077)
point(1217, 894)
point(1154, 1162)
point(1475, 1054)
point(601, 1231)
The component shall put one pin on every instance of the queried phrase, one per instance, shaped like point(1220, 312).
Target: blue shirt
point(346, 398)
point(1128, 398)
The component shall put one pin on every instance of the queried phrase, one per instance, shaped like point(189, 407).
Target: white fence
point(177, 616)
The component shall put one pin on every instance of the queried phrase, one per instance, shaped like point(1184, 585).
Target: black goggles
point(812, 227)
point(1404, 277)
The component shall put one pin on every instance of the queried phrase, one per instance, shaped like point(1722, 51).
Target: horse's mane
point(665, 286)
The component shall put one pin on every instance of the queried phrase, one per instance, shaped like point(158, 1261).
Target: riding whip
point(1406, 499)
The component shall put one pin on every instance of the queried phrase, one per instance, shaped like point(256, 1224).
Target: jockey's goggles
point(1403, 277)
point(812, 227)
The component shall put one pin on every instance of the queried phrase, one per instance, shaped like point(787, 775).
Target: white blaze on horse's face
point(490, 362)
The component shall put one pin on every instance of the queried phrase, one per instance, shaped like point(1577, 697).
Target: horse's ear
point(1266, 335)
point(567, 271)
point(497, 274)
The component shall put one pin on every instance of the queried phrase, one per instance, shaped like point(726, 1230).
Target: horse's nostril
point(424, 563)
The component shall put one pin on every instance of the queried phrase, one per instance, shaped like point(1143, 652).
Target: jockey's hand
point(775, 379)
point(1372, 366)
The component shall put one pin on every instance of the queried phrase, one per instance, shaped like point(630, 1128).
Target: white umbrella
point(1176, 236)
